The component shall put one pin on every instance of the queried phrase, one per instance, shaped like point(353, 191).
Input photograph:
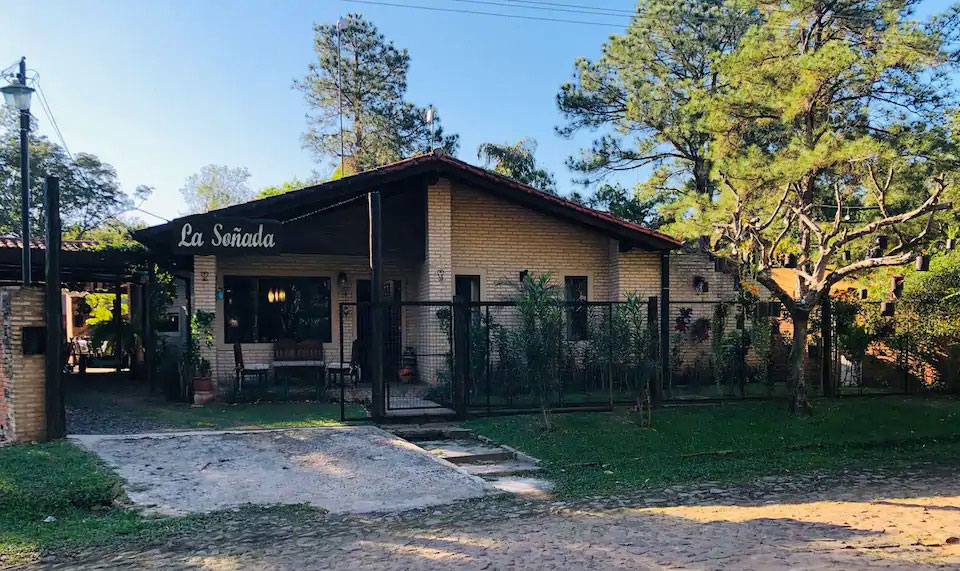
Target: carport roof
point(287, 206)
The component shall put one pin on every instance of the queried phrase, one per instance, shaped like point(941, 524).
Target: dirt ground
point(847, 521)
point(341, 469)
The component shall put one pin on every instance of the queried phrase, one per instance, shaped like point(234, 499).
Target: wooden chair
point(242, 371)
point(350, 368)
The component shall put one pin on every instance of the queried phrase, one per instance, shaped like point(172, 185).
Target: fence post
point(461, 355)
point(610, 351)
point(378, 392)
point(343, 390)
point(826, 347)
point(654, 346)
point(487, 328)
point(657, 393)
point(56, 424)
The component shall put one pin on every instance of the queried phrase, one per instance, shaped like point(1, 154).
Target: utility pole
point(341, 24)
point(25, 178)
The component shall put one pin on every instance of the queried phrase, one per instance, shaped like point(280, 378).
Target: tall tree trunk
point(799, 403)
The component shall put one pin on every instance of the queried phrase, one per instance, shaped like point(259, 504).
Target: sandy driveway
point(342, 469)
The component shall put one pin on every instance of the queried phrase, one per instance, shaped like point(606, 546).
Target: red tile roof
point(39, 244)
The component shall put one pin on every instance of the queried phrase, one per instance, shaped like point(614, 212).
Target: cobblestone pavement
point(854, 520)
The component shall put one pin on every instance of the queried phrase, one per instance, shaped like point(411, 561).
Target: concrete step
point(465, 451)
point(524, 486)
point(490, 470)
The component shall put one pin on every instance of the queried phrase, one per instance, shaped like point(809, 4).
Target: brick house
point(449, 228)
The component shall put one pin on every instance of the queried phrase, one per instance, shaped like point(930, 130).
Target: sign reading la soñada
point(227, 236)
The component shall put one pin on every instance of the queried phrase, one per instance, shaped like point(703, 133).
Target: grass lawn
point(605, 453)
point(245, 415)
point(216, 415)
point(61, 480)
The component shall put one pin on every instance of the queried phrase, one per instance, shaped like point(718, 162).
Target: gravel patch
point(878, 519)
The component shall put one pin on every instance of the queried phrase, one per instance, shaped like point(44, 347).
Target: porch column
point(437, 280)
point(435, 284)
point(205, 298)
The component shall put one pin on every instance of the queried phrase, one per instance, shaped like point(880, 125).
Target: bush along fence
point(541, 355)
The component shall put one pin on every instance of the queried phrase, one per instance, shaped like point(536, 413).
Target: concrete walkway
point(352, 469)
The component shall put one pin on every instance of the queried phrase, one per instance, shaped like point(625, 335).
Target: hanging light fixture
point(281, 295)
point(270, 296)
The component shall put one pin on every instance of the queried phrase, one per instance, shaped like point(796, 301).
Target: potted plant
point(201, 335)
point(923, 263)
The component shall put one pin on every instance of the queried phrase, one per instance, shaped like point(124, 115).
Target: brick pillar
point(436, 284)
point(205, 298)
point(22, 377)
point(613, 261)
point(438, 256)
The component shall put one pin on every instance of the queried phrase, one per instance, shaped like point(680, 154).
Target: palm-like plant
point(517, 162)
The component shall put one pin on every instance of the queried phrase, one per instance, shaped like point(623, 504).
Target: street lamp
point(17, 95)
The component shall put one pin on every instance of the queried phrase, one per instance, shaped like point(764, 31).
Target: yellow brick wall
point(496, 239)
point(22, 377)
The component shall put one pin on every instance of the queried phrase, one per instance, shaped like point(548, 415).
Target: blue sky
point(159, 89)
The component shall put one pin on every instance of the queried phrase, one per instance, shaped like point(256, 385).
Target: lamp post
point(17, 95)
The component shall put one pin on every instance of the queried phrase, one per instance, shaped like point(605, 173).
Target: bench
point(307, 354)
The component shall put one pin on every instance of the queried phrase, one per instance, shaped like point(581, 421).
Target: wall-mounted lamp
point(342, 280)
point(204, 275)
point(440, 275)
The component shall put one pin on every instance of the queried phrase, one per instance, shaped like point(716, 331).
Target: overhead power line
point(481, 13)
point(48, 112)
point(620, 11)
point(550, 9)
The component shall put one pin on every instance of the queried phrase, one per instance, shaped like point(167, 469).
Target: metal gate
point(453, 359)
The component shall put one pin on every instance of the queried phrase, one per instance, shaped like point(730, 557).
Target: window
point(575, 294)
point(262, 310)
point(467, 288)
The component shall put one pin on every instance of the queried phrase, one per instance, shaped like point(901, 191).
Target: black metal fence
point(486, 357)
point(457, 359)
point(891, 348)
point(725, 350)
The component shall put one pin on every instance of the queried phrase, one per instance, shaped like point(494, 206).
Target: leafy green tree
point(90, 193)
point(645, 95)
point(828, 134)
point(517, 162)
point(295, 184)
point(112, 232)
point(216, 186)
point(379, 126)
point(630, 206)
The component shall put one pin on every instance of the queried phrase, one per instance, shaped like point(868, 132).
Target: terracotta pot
point(203, 397)
point(203, 384)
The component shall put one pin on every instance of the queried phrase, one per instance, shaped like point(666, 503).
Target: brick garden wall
point(22, 377)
